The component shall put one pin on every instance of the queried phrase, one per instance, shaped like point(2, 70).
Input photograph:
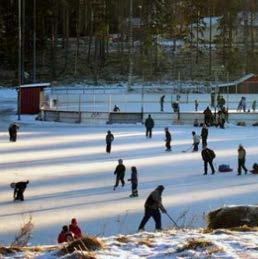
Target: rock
point(233, 216)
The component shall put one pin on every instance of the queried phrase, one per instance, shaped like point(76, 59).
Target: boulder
point(233, 216)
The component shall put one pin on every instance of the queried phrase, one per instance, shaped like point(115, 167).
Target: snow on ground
point(71, 176)
point(168, 244)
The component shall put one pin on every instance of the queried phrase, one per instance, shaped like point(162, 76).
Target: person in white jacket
point(196, 141)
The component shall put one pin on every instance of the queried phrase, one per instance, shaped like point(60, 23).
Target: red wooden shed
point(31, 97)
point(247, 84)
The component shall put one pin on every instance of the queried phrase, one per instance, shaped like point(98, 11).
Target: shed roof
point(41, 85)
point(236, 82)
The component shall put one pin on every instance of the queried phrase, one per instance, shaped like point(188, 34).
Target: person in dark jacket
point(196, 104)
point(134, 182)
point(161, 101)
point(208, 155)
point(65, 235)
point(153, 205)
point(13, 128)
point(207, 116)
point(109, 139)
point(241, 159)
point(120, 174)
point(204, 135)
point(167, 139)
point(221, 119)
point(116, 108)
point(149, 125)
point(74, 228)
point(19, 189)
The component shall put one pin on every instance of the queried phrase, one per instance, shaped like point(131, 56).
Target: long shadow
point(75, 158)
point(58, 207)
point(85, 142)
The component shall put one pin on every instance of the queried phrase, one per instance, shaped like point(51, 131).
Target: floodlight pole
point(34, 40)
point(130, 45)
point(19, 62)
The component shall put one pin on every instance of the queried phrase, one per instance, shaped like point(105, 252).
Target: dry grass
point(123, 239)
point(245, 228)
point(230, 231)
point(145, 242)
point(200, 244)
point(83, 244)
point(24, 236)
point(194, 244)
point(9, 250)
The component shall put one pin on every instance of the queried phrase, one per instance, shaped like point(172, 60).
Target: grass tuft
point(83, 244)
point(194, 244)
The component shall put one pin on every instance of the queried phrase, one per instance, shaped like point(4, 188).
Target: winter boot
point(135, 193)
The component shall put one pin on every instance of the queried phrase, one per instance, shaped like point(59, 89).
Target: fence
point(160, 118)
point(133, 102)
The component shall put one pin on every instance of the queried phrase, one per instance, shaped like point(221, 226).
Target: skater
point(153, 205)
point(161, 101)
point(196, 141)
point(19, 189)
point(207, 116)
point(254, 105)
point(13, 128)
point(213, 98)
point(208, 155)
point(134, 182)
point(221, 119)
point(109, 139)
point(241, 159)
point(65, 235)
point(149, 125)
point(120, 174)
point(242, 104)
point(74, 228)
point(116, 108)
point(204, 135)
point(221, 102)
point(167, 139)
point(196, 104)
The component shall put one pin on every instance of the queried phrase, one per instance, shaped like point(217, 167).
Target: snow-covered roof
point(36, 85)
point(236, 82)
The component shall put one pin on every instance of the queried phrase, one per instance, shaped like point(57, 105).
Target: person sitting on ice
point(116, 108)
point(74, 228)
point(255, 169)
point(65, 235)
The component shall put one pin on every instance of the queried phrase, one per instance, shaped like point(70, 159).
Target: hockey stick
point(172, 220)
point(184, 151)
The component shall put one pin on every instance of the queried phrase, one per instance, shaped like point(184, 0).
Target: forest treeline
point(75, 40)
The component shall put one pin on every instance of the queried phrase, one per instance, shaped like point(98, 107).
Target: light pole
point(130, 45)
point(34, 41)
point(19, 61)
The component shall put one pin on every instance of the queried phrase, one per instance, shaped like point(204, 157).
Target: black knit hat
point(161, 187)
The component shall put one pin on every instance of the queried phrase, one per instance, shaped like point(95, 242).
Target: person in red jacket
point(74, 228)
point(65, 235)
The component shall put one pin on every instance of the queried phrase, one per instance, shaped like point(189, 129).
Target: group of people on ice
point(153, 205)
